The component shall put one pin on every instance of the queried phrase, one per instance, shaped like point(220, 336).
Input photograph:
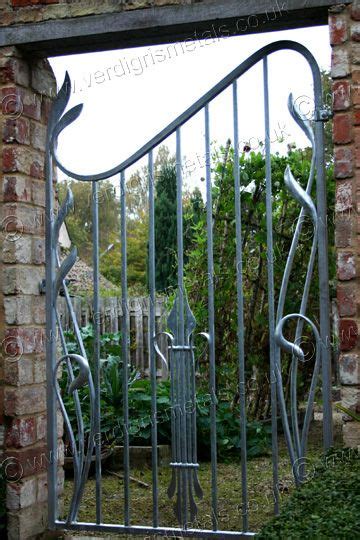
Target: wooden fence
point(110, 315)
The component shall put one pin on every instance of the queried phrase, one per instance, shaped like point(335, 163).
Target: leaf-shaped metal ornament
point(60, 104)
point(68, 118)
point(303, 122)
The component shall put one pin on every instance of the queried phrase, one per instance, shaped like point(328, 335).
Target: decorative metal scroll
point(296, 440)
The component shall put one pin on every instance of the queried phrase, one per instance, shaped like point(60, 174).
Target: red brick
point(356, 95)
point(37, 170)
point(24, 160)
point(14, 70)
point(16, 102)
point(24, 400)
point(21, 432)
point(38, 256)
point(17, 188)
point(357, 145)
point(356, 76)
point(348, 331)
point(343, 230)
point(46, 106)
point(30, 340)
point(356, 117)
point(341, 95)
point(344, 162)
point(338, 29)
point(18, 371)
point(346, 269)
point(342, 131)
point(26, 462)
point(16, 130)
point(346, 299)
point(355, 11)
point(19, 219)
point(38, 136)
point(9, 160)
point(38, 192)
point(1, 405)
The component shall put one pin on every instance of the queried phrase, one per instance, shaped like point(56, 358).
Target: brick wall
point(25, 90)
point(345, 40)
point(23, 11)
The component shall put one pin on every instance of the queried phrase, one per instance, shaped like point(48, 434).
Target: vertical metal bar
point(271, 289)
point(211, 321)
point(152, 333)
point(323, 267)
point(97, 372)
point(50, 250)
point(125, 348)
point(240, 310)
point(181, 356)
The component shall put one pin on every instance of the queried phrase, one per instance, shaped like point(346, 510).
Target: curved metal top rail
point(73, 114)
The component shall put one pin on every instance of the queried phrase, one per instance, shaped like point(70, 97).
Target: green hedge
point(326, 506)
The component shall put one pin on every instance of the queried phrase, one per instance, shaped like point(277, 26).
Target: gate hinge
point(323, 115)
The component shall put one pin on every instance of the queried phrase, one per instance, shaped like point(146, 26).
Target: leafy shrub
point(327, 506)
point(254, 244)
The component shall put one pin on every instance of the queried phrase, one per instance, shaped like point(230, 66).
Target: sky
point(130, 95)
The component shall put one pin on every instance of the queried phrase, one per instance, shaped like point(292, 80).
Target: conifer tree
point(165, 226)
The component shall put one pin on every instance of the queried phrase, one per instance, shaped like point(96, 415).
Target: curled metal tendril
point(295, 438)
point(81, 460)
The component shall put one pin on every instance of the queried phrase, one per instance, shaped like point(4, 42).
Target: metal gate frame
point(181, 322)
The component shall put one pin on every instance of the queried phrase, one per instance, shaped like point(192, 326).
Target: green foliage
point(165, 226)
point(137, 237)
point(327, 506)
point(253, 206)
point(79, 222)
point(228, 430)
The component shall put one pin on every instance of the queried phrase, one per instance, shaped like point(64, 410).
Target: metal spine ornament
point(81, 455)
point(184, 480)
point(296, 439)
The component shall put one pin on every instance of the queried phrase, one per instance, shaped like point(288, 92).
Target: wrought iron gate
point(185, 488)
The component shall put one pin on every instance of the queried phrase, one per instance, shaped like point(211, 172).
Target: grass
point(260, 500)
